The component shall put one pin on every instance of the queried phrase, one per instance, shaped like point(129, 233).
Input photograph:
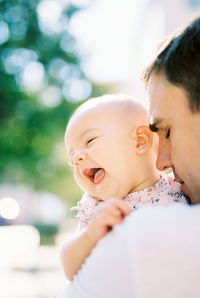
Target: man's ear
point(144, 139)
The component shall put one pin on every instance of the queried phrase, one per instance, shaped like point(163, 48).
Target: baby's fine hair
point(122, 100)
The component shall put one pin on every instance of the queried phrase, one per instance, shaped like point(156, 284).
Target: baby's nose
point(78, 158)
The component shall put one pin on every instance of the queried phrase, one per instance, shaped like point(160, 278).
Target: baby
point(113, 155)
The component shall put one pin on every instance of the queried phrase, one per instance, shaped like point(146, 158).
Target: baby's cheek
point(81, 181)
point(98, 159)
point(77, 176)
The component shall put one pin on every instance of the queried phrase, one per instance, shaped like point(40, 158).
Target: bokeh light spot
point(19, 30)
point(15, 60)
point(15, 13)
point(4, 32)
point(49, 13)
point(67, 43)
point(54, 67)
point(9, 208)
point(77, 90)
point(33, 76)
point(51, 97)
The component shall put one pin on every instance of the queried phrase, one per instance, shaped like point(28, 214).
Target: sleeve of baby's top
point(85, 208)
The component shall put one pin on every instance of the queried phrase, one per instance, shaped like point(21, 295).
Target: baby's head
point(110, 146)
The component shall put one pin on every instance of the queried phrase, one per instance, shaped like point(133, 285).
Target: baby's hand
point(108, 214)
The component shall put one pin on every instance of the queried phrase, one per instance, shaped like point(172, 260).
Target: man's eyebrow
point(153, 126)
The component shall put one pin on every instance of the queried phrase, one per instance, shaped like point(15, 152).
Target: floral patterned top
point(162, 193)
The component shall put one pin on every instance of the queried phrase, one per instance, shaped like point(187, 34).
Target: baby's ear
point(144, 139)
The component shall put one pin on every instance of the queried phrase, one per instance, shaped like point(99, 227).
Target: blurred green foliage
point(47, 233)
point(40, 78)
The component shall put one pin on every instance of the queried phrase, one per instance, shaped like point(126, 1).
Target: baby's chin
point(101, 197)
point(107, 196)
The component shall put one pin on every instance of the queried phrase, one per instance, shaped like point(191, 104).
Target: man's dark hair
point(179, 61)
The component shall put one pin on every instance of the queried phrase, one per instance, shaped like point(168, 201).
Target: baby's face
point(102, 152)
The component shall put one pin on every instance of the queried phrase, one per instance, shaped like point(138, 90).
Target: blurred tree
point(41, 83)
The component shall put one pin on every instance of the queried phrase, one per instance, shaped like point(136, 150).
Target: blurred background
point(54, 54)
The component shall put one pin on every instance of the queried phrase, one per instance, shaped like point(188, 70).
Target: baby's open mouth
point(95, 175)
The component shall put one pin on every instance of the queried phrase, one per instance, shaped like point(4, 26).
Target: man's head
point(108, 142)
point(173, 83)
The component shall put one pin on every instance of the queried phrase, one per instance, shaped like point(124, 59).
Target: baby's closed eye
point(90, 140)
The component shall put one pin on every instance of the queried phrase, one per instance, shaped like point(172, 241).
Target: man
point(174, 92)
point(161, 258)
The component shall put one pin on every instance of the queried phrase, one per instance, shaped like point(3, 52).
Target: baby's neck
point(149, 181)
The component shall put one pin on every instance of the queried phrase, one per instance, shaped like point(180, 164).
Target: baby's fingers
point(121, 206)
point(114, 220)
point(111, 218)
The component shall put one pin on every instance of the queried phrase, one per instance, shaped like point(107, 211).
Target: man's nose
point(78, 158)
point(163, 161)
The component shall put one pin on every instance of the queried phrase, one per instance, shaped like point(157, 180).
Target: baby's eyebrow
point(86, 131)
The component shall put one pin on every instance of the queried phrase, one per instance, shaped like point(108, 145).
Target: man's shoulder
point(172, 214)
point(155, 226)
point(165, 251)
point(153, 246)
point(169, 223)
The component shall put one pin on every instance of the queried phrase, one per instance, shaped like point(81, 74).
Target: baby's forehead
point(91, 115)
point(109, 106)
point(110, 111)
point(102, 112)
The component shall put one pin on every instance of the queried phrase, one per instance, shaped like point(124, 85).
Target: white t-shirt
point(155, 253)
